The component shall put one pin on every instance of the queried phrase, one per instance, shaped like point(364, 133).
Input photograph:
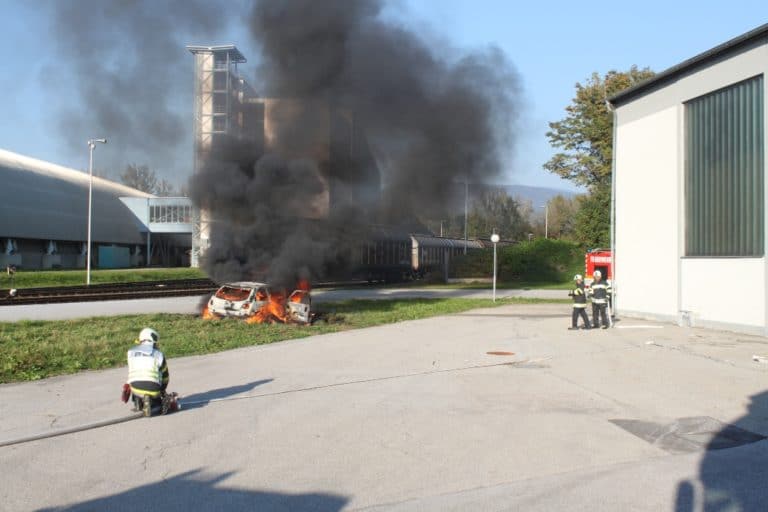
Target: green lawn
point(43, 278)
point(39, 349)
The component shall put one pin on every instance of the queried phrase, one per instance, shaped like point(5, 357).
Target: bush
point(542, 260)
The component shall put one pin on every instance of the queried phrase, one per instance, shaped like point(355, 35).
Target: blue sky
point(552, 44)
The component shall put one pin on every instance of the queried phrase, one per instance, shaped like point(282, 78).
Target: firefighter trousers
point(599, 309)
point(579, 312)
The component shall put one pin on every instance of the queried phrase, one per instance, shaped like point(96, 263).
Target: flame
point(304, 285)
point(299, 295)
point(206, 314)
point(272, 311)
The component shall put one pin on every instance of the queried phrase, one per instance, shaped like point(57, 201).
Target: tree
point(593, 219)
point(562, 213)
point(586, 138)
point(495, 210)
point(140, 177)
point(586, 133)
point(164, 188)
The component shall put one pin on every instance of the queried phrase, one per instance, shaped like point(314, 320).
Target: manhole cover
point(500, 353)
point(689, 434)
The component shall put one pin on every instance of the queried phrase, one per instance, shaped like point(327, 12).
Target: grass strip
point(35, 350)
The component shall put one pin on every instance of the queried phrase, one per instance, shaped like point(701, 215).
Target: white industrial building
point(689, 172)
point(44, 220)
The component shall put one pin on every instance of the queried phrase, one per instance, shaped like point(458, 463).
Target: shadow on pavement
point(732, 474)
point(192, 491)
point(203, 399)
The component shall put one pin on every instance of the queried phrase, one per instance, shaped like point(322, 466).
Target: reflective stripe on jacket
point(600, 292)
point(579, 296)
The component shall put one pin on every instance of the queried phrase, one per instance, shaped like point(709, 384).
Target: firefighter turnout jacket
point(600, 292)
point(147, 370)
point(579, 295)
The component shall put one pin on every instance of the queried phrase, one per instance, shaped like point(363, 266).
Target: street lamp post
point(91, 145)
point(466, 212)
point(546, 219)
point(495, 240)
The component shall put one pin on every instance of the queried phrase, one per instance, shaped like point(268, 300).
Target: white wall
point(647, 214)
point(654, 278)
point(725, 290)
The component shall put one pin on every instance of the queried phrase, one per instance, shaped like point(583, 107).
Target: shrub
point(542, 260)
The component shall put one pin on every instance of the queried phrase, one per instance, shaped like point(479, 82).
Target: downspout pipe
point(612, 110)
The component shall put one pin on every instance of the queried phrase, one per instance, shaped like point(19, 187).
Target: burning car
point(259, 303)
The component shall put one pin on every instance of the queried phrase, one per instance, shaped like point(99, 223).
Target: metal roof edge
point(17, 161)
point(231, 47)
point(675, 71)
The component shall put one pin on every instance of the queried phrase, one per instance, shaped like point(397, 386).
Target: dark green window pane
point(724, 172)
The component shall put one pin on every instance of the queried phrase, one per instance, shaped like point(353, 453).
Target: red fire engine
point(598, 259)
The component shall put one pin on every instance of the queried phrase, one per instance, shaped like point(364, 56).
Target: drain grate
point(687, 435)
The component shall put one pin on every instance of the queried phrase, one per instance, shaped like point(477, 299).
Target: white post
point(494, 272)
point(91, 145)
point(466, 212)
point(494, 239)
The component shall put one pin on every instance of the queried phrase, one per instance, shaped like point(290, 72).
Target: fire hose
point(138, 415)
point(79, 428)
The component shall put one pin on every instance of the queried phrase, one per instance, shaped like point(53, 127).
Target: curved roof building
point(41, 200)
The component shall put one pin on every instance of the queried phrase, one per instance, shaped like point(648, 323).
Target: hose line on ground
point(72, 430)
point(138, 415)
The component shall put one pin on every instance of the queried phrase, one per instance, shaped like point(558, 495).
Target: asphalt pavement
point(417, 415)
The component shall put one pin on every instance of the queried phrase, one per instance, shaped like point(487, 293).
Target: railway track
point(98, 292)
point(125, 291)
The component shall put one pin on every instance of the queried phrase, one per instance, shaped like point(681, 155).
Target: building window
point(724, 172)
point(220, 124)
point(220, 81)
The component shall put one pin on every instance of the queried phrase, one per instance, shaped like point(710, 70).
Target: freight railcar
point(398, 257)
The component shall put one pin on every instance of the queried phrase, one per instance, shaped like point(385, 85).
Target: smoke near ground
point(131, 75)
point(429, 119)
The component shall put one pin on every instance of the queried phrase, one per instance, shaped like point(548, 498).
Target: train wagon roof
point(434, 241)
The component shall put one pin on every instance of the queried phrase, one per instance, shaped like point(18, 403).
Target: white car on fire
point(239, 299)
point(243, 299)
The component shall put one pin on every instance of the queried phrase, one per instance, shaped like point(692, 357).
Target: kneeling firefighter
point(148, 375)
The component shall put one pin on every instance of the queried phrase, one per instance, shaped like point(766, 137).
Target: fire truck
point(598, 259)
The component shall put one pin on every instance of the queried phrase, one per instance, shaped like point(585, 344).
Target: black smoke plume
point(417, 119)
point(131, 75)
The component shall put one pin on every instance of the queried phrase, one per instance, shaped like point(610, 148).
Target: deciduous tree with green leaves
point(585, 138)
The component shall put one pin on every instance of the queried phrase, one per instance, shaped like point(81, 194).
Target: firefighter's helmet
point(598, 273)
point(150, 335)
point(577, 277)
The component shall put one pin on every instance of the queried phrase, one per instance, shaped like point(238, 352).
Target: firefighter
point(599, 292)
point(148, 372)
point(579, 304)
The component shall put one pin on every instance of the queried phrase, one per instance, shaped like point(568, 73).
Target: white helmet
point(577, 277)
point(148, 334)
point(598, 273)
